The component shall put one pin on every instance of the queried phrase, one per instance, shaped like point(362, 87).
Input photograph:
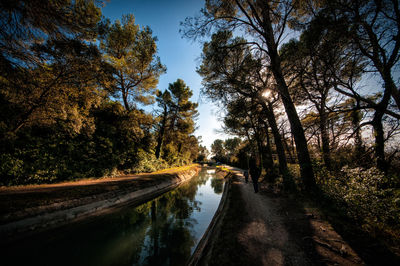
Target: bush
point(147, 162)
point(365, 195)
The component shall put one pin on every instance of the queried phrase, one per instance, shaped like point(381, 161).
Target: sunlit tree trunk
point(307, 173)
point(283, 168)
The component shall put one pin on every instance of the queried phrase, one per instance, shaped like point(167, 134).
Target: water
point(164, 231)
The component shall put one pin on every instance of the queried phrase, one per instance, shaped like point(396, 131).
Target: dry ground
point(272, 229)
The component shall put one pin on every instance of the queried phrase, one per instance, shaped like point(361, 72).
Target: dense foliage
point(72, 107)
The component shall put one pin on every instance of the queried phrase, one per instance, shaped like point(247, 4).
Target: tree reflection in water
point(163, 231)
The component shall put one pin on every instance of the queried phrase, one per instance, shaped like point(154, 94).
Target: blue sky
point(180, 56)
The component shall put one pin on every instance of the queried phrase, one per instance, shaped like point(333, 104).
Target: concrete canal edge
point(203, 250)
point(45, 221)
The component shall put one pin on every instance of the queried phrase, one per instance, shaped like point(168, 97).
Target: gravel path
point(281, 231)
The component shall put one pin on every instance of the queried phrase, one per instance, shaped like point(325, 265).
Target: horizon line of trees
point(73, 87)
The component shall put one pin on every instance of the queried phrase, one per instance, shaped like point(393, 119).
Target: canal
point(163, 231)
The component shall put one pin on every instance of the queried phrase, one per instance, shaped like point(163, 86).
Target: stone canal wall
point(131, 192)
point(203, 250)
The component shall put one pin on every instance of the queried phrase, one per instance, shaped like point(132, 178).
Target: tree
point(371, 30)
point(233, 76)
point(374, 27)
point(132, 53)
point(203, 153)
point(231, 146)
point(266, 23)
point(66, 88)
point(176, 120)
point(164, 101)
point(48, 62)
point(217, 148)
point(314, 63)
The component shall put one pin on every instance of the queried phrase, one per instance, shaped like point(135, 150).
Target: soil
point(269, 228)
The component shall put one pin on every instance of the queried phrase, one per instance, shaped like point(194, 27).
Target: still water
point(164, 231)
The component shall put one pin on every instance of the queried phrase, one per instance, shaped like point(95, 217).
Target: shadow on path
point(271, 229)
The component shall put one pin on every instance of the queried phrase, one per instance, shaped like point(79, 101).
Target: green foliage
point(217, 148)
point(147, 162)
point(203, 154)
point(176, 124)
point(27, 22)
point(132, 53)
point(367, 196)
point(232, 151)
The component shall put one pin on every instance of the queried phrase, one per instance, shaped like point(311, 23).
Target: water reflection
point(164, 231)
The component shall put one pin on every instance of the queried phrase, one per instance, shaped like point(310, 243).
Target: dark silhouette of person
point(246, 175)
point(254, 173)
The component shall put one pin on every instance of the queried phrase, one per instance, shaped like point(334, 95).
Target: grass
point(222, 168)
point(175, 169)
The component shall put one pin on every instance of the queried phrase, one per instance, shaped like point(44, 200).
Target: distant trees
point(203, 154)
point(227, 151)
point(218, 149)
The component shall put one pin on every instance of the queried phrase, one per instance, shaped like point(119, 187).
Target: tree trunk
point(326, 153)
point(124, 91)
point(125, 100)
point(283, 168)
point(381, 162)
point(395, 94)
point(266, 150)
point(259, 145)
point(306, 170)
point(161, 133)
point(287, 148)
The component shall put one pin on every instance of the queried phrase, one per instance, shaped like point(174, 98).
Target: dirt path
point(271, 229)
point(266, 235)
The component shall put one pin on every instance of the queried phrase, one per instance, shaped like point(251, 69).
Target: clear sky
point(180, 56)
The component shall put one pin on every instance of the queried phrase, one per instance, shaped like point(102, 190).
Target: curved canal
point(163, 231)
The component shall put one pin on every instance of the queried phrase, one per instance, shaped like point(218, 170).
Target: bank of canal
point(163, 231)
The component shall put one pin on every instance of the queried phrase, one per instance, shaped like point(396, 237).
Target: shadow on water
point(164, 231)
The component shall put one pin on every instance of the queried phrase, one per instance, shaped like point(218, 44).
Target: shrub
point(147, 162)
point(366, 195)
